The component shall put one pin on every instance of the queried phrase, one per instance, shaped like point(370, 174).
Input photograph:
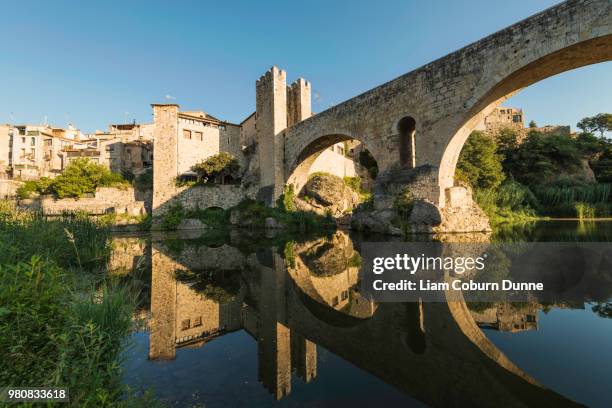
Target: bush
point(285, 201)
point(83, 176)
point(27, 189)
point(542, 158)
point(354, 183)
point(173, 217)
point(31, 187)
point(479, 163)
point(212, 217)
point(218, 166)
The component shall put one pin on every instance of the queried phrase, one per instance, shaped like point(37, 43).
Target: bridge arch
point(597, 50)
point(406, 129)
point(298, 169)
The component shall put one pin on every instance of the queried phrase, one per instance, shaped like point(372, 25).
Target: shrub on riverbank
point(80, 177)
point(248, 213)
point(546, 173)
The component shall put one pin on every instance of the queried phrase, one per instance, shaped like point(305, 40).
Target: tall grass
point(581, 201)
point(585, 210)
point(510, 201)
point(587, 193)
point(59, 324)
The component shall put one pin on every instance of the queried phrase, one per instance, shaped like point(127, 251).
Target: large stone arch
point(448, 96)
point(575, 56)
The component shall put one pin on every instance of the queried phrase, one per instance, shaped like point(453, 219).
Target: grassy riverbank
point(250, 214)
point(62, 322)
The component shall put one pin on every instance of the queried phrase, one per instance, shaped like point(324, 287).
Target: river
point(241, 319)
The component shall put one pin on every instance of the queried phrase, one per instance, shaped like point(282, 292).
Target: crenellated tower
point(278, 106)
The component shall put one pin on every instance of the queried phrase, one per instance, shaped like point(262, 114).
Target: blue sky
point(91, 63)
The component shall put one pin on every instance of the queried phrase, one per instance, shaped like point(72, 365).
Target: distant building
point(501, 118)
point(513, 118)
point(33, 151)
point(201, 135)
point(553, 130)
point(508, 317)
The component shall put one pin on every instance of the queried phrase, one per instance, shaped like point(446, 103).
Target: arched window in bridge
point(407, 130)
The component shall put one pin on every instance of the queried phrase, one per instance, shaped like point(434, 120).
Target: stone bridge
point(422, 119)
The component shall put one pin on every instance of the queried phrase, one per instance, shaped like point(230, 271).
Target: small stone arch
point(406, 129)
point(297, 172)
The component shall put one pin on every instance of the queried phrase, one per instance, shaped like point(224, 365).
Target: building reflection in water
point(310, 295)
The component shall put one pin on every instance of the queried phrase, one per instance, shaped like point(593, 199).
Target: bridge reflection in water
point(292, 298)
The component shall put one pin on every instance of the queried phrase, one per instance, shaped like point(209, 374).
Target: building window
point(198, 136)
point(186, 134)
point(48, 142)
point(23, 140)
point(516, 118)
point(33, 142)
point(185, 324)
point(33, 153)
point(197, 321)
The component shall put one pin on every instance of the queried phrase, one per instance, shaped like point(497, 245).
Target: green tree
point(479, 162)
point(83, 176)
point(601, 123)
point(217, 166)
point(602, 166)
point(533, 124)
point(541, 158)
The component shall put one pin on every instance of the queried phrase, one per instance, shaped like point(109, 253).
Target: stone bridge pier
point(415, 125)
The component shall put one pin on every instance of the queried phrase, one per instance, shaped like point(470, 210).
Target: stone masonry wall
point(106, 200)
point(201, 197)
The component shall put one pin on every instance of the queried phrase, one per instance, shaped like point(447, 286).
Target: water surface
point(241, 320)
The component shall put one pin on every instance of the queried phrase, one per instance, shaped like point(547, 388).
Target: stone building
point(513, 118)
point(508, 317)
point(201, 135)
point(33, 151)
point(502, 117)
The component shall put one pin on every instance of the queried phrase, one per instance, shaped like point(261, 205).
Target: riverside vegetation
point(63, 322)
point(541, 176)
point(80, 177)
